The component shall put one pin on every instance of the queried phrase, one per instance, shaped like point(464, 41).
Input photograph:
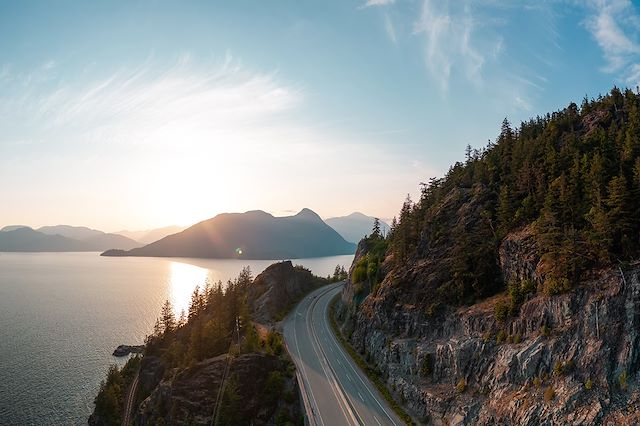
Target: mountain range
point(64, 238)
point(151, 235)
point(61, 238)
point(355, 226)
point(251, 235)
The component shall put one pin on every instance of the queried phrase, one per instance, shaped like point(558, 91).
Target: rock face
point(124, 350)
point(277, 288)
point(190, 397)
point(566, 359)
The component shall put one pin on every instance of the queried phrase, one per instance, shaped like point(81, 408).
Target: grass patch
point(373, 375)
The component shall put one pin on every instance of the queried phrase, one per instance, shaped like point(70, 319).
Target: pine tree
point(197, 303)
point(505, 210)
point(167, 318)
point(375, 233)
point(618, 216)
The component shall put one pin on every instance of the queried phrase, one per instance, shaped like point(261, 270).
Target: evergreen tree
point(619, 219)
point(375, 233)
point(167, 318)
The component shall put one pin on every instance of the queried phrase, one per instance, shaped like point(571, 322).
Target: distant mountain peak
point(250, 235)
point(355, 226)
point(358, 214)
point(308, 214)
point(258, 213)
point(14, 227)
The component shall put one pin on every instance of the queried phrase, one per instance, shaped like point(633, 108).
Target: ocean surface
point(63, 314)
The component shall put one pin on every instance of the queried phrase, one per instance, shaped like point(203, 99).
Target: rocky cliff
point(278, 288)
point(259, 389)
point(564, 359)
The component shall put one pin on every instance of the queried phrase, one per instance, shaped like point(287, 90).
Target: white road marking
point(349, 377)
point(377, 421)
point(304, 373)
point(344, 356)
point(360, 395)
point(331, 379)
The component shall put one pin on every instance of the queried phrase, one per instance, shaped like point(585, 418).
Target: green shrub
point(553, 286)
point(486, 336)
point(274, 344)
point(558, 368)
point(282, 418)
point(528, 287)
point(588, 385)
point(372, 272)
point(622, 380)
point(358, 288)
point(501, 337)
point(289, 397)
point(545, 330)
point(549, 394)
point(274, 385)
point(432, 309)
point(360, 271)
point(110, 398)
point(537, 382)
point(461, 386)
point(516, 338)
point(501, 310)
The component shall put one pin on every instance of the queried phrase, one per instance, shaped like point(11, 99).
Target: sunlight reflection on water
point(63, 314)
point(184, 278)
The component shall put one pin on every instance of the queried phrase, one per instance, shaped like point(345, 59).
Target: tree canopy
point(572, 177)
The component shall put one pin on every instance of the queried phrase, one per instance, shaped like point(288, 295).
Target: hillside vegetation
point(508, 293)
point(185, 359)
point(572, 176)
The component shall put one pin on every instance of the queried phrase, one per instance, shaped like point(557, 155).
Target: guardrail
point(309, 414)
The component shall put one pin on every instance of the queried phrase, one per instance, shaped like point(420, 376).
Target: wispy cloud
point(370, 3)
point(147, 105)
point(522, 104)
point(614, 24)
point(390, 28)
point(206, 137)
point(449, 43)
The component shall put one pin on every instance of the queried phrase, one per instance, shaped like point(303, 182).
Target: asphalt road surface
point(335, 391)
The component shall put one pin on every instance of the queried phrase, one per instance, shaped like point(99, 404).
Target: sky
point(140, 114)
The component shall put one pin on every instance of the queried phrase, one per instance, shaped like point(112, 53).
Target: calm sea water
point(62, 314)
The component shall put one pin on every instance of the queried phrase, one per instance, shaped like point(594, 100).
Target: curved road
point(335, 390)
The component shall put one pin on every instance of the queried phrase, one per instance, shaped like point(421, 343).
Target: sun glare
point(184, 278)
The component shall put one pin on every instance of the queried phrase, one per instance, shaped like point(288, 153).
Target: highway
point(335, 390)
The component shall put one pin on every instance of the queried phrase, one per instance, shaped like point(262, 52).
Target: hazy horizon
point(125, 116)
point(280, 214)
